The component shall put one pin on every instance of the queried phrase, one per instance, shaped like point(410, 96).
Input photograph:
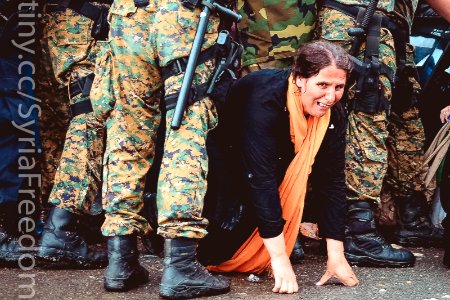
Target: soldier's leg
point(406, 156)
point(132, 120)
point(53, 121)
point(77, 181)
point(182, 179)
point(366, 157)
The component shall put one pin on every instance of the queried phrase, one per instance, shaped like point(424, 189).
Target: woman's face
point(322, 91)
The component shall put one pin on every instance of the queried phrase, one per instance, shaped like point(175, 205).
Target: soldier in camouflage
point(405, 145)
point(272, 31)
point(72, 49)
point(140, 69)
point(367, 132)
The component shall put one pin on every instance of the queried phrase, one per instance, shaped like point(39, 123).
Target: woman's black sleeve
point(328, 179)
point(260, 159)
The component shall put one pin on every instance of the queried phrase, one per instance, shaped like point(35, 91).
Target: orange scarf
point(307, 135)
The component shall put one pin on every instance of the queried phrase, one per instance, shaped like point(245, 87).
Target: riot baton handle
point(208, 7)
point(359, 33)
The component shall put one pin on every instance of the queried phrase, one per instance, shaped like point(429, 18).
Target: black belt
point(79, 108)
point(81, 86)
point(196, 93)
point(178, 66)
point(141, 3)
point(84, 8)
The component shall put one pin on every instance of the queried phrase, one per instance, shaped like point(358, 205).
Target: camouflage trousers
point(72, 52)
point(366, 152)
point(142, 41)
point(377, 144)
point(406, 139)
point(53, 120)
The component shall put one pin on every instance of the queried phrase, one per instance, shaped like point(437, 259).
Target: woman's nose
point(330, 95)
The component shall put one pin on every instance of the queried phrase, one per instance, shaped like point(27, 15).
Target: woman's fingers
point(349, 281)
point(348, 278)
point(324, 278)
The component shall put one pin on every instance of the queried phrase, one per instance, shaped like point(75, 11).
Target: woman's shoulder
point(264, 85)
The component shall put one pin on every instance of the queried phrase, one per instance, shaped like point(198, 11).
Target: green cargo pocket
point(102, 93)
point(72, 28)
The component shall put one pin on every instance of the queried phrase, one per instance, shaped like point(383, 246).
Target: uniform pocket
point(102, 92)
point(72, 28)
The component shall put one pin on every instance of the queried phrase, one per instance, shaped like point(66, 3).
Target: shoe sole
point(365, 261)
point(123, 285)
point(183, 292)
point(57, 259)
point(418, 242)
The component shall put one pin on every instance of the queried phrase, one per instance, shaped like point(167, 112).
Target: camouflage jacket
point(384, 5)
point(402, 9)
point(274, 29)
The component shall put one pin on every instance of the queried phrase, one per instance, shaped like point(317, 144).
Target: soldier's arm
point(442, 7)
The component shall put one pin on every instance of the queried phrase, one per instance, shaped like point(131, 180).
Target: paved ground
point(427, 280)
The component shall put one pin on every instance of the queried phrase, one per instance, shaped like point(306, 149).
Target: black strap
point(178, 66)
point(81, 86)
point(84, 8)
point(79, 108)
point(141, 3)
point(197, 93)
point(400, 34)
point(373, 38)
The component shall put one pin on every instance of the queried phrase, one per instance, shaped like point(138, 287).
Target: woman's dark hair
point(317, 55)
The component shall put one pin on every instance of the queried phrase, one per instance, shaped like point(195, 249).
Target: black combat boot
point(297, 254)
point(365, 247)
point(11, 248)
point(61, 245)
point(416, 228)
point(124, 271)
point(183, 276)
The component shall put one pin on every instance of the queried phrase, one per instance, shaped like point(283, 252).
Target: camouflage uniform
point(366, 153)
point(142, 41)
point(54, 120)
point(72, 52)
point(406, 133)
point(272, 31)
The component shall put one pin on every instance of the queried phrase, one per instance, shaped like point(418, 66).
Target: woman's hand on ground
point(285, 279)
point(337, 265)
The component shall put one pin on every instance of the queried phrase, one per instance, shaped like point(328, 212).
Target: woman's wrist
point(335, 248)
point(276, 246)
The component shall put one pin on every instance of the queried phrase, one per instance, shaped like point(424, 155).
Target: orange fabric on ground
point(307, 135)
